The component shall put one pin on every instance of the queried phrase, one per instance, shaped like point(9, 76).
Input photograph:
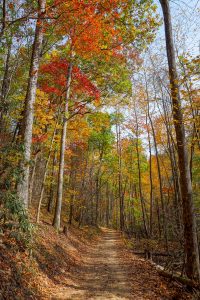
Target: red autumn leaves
point(56, 72)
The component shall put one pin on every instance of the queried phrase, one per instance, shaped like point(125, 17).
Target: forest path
point(105, 274)
point(111, 271)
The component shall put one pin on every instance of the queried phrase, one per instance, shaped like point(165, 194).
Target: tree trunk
point(72, 187)
point(46, 169)
point(57, 215)
point(150, 179)
point(82, 191)
point(139, 178)
point(158, 168)
point(98, 187)
point(51, 192)
point(4, 18)
point(107, 205)
point(192, 265)
point(27, 118)
point(5, 89)
point(44, 180)
point(97, 200)
point(121, 198)
point(33, 176)
point(175, 174)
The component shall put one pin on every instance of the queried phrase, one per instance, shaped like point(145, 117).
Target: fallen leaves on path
point(80, 267)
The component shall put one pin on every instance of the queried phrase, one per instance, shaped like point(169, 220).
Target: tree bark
point(27, 118)
point(57, 215)
point(72, 186)
point(46, 171)
point(33, 176)
point(175, 175)
point(158, 168)
point(192, 265)
point(139, 178)
point(5, 89)
point(4, 17)
point(150, 179)
point(51, 192)
point(98, 187)
point(121, 198)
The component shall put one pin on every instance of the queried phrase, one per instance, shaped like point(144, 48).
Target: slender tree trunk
point(32, 177)
point(158, 168)
point(27, 120)
point(72, 185)
point(107, 205)
point(98, 187)
point(51, 193)
point(151, 179)
point(132, 208)
point(71, 207)
point(192, 265)
point(121, 200)
point(45, 173)
point(139, 178)
point(158, 217)
point(140, 192)
point(97, 201)
point(57, 215)
point(4, 18)
point(82, 191)
point(160, 187)
point(173, 161)
point(5, 89)
point(90, 204)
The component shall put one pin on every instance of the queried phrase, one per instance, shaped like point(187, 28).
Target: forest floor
point(86, 264)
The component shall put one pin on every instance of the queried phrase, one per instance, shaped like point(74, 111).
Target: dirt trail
point(105, 275)
point(110, 271)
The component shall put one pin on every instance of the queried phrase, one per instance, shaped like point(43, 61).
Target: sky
point(186, 24)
